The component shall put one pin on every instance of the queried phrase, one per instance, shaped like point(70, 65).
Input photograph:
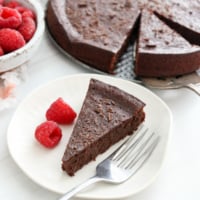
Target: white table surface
point(179, 178)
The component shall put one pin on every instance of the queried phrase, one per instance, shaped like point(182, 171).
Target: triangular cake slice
point(183, 16)
point(108, 114)
point(161, 51)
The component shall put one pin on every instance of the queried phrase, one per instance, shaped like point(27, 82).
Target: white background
point(179, 178)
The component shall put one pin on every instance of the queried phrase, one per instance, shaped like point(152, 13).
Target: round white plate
point(44, 165)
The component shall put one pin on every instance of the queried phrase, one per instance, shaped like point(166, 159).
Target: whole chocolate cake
point(97, 32)
point(108, 114)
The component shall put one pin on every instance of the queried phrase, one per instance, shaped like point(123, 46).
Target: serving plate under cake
point(44, 166)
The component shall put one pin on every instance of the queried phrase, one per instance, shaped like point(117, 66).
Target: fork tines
point(134, 152)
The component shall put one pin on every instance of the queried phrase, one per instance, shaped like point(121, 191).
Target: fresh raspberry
point(11, 40)
point(29, 13)
point(1, 2)
point(1, 51)
point(9, 18)
point(25, 12)
point(27, 28)
point(12, 4)
point(20, 8)
point(48, 134)
point(60, 112)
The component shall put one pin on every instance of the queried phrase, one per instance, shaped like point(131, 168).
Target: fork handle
point(80, 187)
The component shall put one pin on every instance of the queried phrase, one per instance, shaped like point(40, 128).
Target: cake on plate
point(108, 114)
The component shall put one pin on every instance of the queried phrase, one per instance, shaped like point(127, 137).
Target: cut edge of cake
point(97, 56)
point(163, 52)
point(179, 24)
point(108, 114)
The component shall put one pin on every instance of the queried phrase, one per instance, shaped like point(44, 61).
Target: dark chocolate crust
point(108, 114)
point(97, 32)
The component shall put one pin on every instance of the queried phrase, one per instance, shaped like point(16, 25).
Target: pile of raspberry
point(48, 133)
point(17, 26)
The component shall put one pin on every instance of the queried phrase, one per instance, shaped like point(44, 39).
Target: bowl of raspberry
point(21, 30)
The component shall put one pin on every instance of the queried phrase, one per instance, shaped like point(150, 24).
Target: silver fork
point(124, 162)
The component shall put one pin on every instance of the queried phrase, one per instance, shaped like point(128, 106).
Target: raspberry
point(28, 13)
point(60, 112)
point(1, 2)
point(9, 18)
point(25, 12)
point(48, 134)
point(11, 40)
point(27, 28)
point(21, 9)
point(12, 4)
point(1, 51)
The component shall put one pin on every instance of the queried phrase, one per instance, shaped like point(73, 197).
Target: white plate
point(44, 165)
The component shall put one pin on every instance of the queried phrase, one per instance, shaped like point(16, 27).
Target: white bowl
point(22, 55)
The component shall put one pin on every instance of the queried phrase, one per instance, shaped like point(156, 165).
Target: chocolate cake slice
point(95, 32)
point(161, 51)
point(183, 16)
point(108, 114)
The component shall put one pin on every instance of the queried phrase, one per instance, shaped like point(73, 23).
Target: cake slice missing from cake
point(92, 30)
point(108, 114)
